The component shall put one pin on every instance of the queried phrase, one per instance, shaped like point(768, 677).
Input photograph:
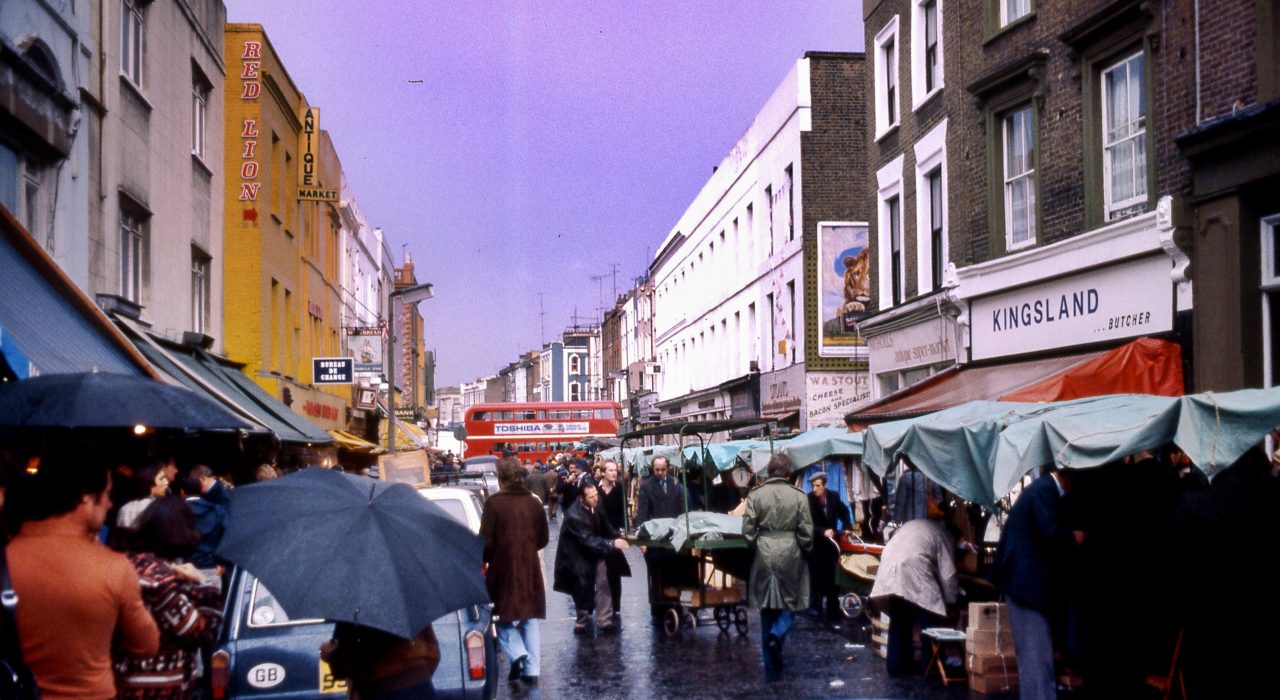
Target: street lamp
point(408, 295)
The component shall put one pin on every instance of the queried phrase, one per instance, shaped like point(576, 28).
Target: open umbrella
point(348, 548)
point(107, 400)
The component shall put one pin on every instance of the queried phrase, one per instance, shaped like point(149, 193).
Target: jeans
point(522, 639)
point(773, 623)
point(1033, 642)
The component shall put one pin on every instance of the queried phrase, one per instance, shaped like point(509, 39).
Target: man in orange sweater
point(74, 594)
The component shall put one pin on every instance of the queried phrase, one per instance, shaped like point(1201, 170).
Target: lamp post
point(408, 295)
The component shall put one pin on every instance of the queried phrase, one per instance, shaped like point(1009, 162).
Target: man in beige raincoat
point(918, 575)
point(777, 522)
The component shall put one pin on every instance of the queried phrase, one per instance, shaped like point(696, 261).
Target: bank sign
point(560, 428)
point(1120, 301)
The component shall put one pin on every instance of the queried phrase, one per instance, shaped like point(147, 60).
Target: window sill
point(1008, 248)
point(198, 161)
point(893, 128)
point(137, 92)
point(1002, 31)
point(928, 98)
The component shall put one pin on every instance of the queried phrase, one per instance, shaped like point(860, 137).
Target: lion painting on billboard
point(857, 282)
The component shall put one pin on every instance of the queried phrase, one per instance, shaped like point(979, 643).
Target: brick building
point(1233, 148)
point(1038, 139)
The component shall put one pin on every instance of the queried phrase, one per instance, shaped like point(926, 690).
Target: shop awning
point(1143, 366)
point(347, 441)
point(46, 322)
point(223, 381)
point(408, 436)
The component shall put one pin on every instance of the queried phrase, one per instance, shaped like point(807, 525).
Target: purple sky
point(522, 147)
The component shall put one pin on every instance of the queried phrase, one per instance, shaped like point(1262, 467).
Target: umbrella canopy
point(810, 447)
point(342, 547)
point(107, 400)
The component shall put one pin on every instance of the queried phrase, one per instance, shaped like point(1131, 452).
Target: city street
point(640, 662)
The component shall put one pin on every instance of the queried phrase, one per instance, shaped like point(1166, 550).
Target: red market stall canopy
point(1143, 366)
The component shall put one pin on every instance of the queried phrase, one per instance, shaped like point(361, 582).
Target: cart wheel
point(724, 619)
point(671, 622)
point(690, 621)
point(851, 605)
point(740, 619)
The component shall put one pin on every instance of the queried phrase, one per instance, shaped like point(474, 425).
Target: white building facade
point(729, 281)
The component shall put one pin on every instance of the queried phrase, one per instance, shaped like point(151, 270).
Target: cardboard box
point(988, 616)
point(990, 664)
point(987, 683)
point(984, 642)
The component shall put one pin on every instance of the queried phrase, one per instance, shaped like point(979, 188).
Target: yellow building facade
point(282, 244)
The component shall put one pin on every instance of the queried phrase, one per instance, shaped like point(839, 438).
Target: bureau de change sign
point(332, 370)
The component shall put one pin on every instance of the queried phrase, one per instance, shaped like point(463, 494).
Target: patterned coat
point(778, 523)
point(189, 616)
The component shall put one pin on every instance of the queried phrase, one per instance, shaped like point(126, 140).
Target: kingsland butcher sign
point(1128, 300)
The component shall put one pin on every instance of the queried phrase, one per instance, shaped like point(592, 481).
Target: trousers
point(522, 638)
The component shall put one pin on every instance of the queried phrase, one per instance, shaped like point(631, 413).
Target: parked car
point(262, 653)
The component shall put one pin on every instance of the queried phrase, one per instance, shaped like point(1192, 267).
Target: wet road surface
point(641, 662)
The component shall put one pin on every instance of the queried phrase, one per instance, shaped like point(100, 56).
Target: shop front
point(911, 342)
point(782, 395)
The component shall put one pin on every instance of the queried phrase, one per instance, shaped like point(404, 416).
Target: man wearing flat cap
point(830, 517)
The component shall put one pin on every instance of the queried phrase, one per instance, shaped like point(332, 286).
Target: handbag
point(16, 680)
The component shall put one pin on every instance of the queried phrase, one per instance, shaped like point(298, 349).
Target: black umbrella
point(107, 400)
point(341, 547)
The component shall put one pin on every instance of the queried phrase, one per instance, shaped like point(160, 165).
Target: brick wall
point(833, 168)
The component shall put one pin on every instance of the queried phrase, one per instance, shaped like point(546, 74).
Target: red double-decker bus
point(537, 430)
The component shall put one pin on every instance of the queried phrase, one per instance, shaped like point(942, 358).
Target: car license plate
point(329, 684)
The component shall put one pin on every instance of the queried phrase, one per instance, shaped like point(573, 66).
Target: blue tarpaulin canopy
point(810, 447)
point(980, 450)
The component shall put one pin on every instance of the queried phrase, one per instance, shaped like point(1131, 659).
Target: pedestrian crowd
point(119, 593)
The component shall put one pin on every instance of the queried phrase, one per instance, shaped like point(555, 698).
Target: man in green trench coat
point(778, 524)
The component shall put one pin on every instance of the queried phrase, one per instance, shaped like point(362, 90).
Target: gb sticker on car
point(267, 675)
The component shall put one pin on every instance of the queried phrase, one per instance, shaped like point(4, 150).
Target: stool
point(940, 638)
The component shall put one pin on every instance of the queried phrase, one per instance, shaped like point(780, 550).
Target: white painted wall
point(711, 311)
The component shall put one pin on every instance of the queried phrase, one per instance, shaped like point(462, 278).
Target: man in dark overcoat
point(586, 539)
point(830, 517)
point(514, 528)
point(661, 496)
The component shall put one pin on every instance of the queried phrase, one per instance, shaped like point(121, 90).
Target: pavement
point(641, 662)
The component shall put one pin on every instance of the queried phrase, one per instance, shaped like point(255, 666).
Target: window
point(768, 214)
point(575, 391)
point(575, 365)
point(199, 290)
point(1013, 10)
point(931, 208)
point(132, 252)
point(886, 78)
point(789, 184)
point(937, 252)
point(131, 41)
point(1124, 126)
point(791, 318)
point(889, 239)
point(926, 50)
point(1270, 286)
point(199, 113)
point(1019, 157)
point(893, 220)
